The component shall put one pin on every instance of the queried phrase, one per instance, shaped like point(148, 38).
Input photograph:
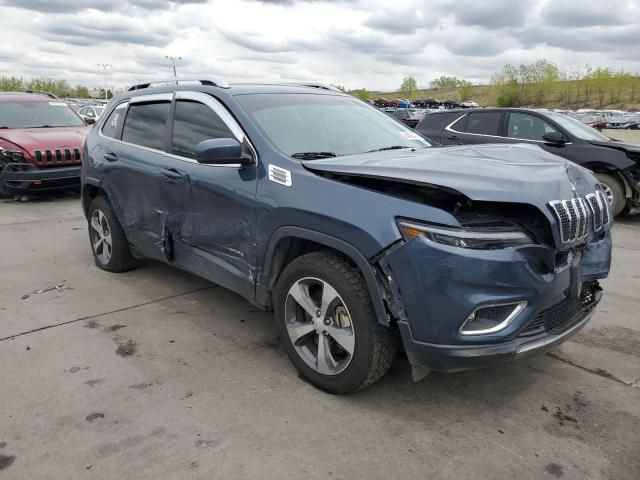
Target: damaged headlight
point(475, 238)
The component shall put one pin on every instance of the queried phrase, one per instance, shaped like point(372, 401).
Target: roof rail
point(212, 82)
point(323, 86)
point(48, 94)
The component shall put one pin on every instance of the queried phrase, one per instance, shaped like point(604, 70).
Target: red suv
point(41, 140)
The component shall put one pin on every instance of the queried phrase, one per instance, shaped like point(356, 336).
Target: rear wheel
point(108, 242)
point(326, 322)
point(614, 191)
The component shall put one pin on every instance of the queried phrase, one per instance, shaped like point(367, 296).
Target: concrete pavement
point(156, 374)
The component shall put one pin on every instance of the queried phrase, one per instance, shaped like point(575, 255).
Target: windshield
point(38, 115)
point(326, 125)
point(579, 129)
point(99, 110)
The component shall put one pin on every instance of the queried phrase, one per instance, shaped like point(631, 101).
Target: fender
point(263, 289)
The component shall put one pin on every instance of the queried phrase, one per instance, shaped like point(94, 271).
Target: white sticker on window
point(58, 104)
point(410, 135)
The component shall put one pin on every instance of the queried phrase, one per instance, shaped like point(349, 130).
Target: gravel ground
point(156, 374)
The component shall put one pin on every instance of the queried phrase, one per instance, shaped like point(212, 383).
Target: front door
point(211, 215)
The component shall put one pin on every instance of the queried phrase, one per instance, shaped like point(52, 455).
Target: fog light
point(491, 318)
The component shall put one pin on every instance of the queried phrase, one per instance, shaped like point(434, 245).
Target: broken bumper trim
point(457, 358)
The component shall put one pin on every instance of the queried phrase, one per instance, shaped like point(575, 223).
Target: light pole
point(105, 66)
point(173, 63)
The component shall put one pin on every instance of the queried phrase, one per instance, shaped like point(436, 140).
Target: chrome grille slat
point(579, 216)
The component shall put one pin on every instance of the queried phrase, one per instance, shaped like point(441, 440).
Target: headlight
point(476, 238)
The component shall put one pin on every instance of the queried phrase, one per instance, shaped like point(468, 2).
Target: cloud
point(492, 13)
point(573, 14)
point(72, 6)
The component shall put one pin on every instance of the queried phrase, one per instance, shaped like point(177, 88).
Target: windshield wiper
point(392, 147)
point(313, 155)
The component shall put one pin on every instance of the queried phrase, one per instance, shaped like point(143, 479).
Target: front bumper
point(456, 358)
point(24, 178)
point(438, 287)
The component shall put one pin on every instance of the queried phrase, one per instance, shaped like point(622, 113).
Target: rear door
point(476, 127)
point(132, 165)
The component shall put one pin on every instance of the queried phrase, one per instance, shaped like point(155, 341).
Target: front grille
point(578, 216)
point(57, 157)
point(563, 313)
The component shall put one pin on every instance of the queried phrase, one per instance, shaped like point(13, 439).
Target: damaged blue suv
point(361, 236)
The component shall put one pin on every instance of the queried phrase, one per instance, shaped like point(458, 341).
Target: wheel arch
point(599, 167)
point(288, 243)
point(90, 189)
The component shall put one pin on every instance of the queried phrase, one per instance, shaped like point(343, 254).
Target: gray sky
point(355, 43)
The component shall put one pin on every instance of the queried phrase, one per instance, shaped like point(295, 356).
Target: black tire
point(375, 345)
point(121, 259)
point(617, 190)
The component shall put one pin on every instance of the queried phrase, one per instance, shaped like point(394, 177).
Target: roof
point(13, 97)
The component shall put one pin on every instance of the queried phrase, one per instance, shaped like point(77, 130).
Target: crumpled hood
point(516, 173)
point(31, 139)
point(623, 147)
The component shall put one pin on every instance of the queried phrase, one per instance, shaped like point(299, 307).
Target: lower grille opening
point(563, 313)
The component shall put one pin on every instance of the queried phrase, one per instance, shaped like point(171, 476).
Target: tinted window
point(112, 127)
point(485, 123)
point(194, 122)
point(145, 124)
point(527, 127)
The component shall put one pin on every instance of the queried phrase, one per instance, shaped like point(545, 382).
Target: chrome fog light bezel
point(518, 307)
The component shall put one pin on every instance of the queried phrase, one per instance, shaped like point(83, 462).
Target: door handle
point(110, 157)
point(453, 137)
point(171, 173)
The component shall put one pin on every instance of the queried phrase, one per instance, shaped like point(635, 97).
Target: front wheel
point(326, 322)
point(614, 191)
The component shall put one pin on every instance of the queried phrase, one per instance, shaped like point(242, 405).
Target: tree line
point(61, 88)
point(541, 83)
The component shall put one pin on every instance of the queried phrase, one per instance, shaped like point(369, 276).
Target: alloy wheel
point(319, 326)
point(608, 193)
point(101, 237)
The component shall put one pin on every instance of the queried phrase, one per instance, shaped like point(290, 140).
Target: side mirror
point(222, 151)
point(555, 138)
point(89, 120)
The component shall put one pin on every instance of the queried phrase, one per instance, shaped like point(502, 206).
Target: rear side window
point(194, 122)
point(145, 124)
point(113, 126)
point(484, 123)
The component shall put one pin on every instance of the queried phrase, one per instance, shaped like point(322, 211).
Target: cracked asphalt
point(156, 374)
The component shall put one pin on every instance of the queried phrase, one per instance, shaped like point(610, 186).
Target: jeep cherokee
point(350, 226)
point(41, 141)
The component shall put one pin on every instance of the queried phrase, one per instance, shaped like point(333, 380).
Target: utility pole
point(105, 66)
point(173, 64)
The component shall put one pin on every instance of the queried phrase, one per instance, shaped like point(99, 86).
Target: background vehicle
point(409, 116)
point(615, 164)
point(41, 141)
point(91, 113)
point(309, 202)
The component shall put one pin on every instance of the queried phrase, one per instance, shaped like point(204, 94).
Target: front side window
point(299, 123)
point(145, 124)
point(194, 122)
point(484, 123)
point(527, 127)
point(38, 115)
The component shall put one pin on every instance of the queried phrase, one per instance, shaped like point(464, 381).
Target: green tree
point(11, 84)
point(466, 90)
point(408, 87)
point(446, 82)
point(362, 94)
point(82, 92)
